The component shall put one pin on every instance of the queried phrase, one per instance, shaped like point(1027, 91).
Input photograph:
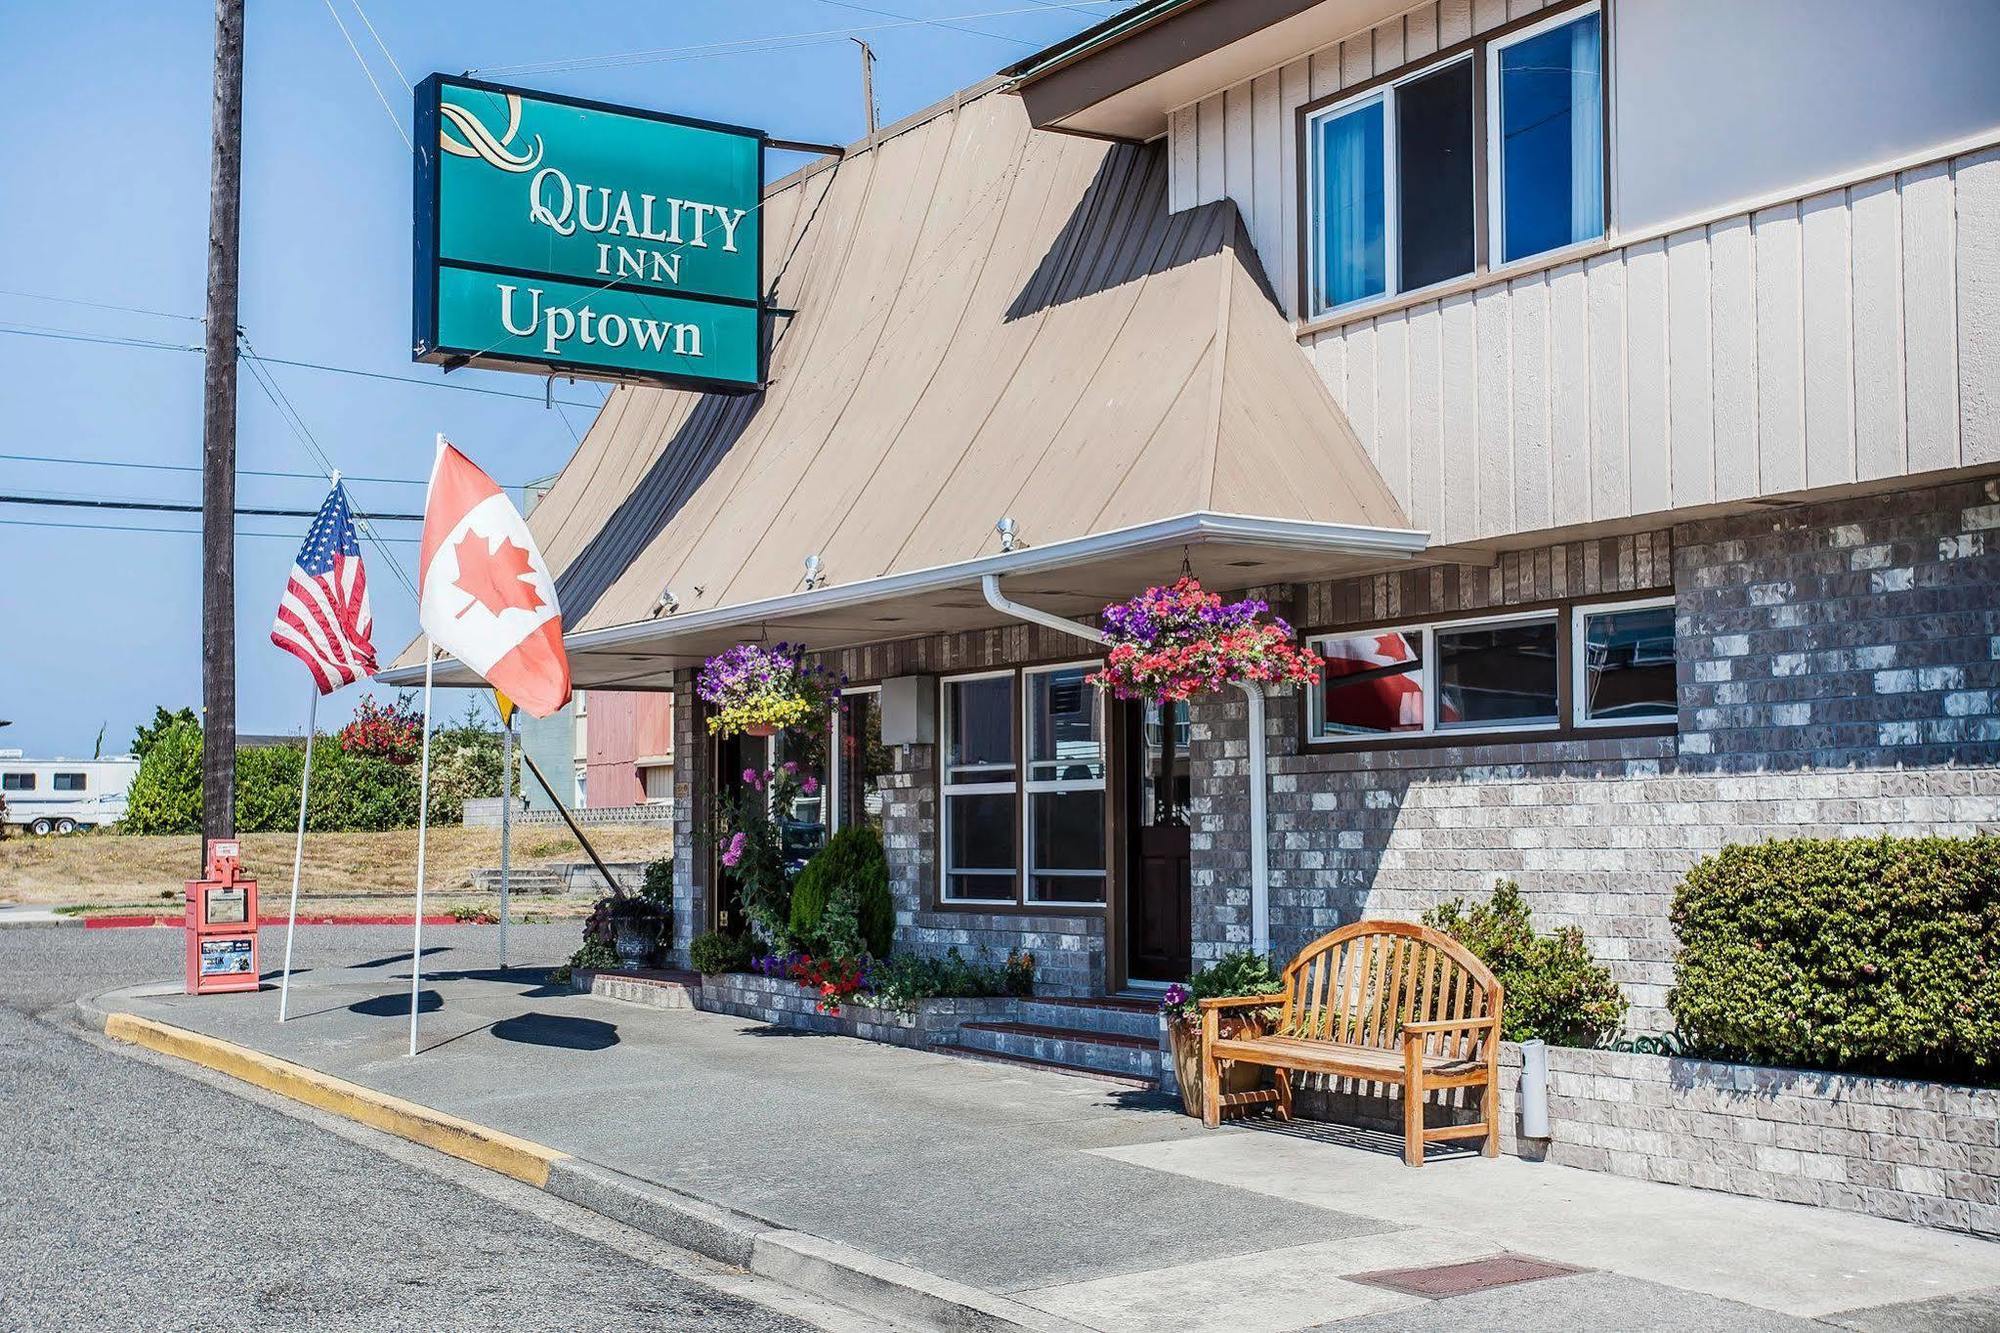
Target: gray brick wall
point(1816, 698)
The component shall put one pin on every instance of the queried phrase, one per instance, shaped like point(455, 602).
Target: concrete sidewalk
point(1034, 1199)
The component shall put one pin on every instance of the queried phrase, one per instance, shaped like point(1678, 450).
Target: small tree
point(163, 721)
point(1555, 990)
point(841, 904)
point(165, 795)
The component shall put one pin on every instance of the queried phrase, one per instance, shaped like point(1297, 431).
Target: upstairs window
point(1393, 184)
point(1547, 89)
point(1403, 194)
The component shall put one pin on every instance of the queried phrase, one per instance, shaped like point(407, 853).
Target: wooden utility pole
point(218, 434)
point(868, 84)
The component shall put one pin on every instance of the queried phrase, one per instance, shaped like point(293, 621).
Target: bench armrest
point(1241, 1001)
point(1450, 1025)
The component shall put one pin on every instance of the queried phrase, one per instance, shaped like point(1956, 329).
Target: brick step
point(1049, 1066)
point(1097, 1013)
point(1102, 1052)
point(655, 988)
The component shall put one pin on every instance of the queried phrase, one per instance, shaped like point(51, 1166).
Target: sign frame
point(427, 250)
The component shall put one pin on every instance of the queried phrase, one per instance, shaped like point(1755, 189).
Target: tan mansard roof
point(990, 322)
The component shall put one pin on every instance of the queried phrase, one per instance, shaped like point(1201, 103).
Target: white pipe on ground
point(1534, 1089)
point(1258, 757)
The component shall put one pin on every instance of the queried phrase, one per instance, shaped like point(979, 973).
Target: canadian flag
point(487, 596)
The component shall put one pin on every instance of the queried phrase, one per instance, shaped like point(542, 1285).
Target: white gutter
point(1259, 758)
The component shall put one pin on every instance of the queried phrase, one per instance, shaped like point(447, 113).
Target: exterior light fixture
point(1010, 534)
point(666, 604)
point(815, 573)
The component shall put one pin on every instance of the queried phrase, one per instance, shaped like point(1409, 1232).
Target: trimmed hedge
point(841, 903)
point(1876, 955)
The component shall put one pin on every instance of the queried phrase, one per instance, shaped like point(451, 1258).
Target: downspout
point(1259, 759)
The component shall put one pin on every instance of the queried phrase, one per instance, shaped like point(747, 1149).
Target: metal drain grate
point(1445, 1280)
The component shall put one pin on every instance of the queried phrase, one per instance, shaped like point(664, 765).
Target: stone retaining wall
point(785, 1003)
point(1902, 1149)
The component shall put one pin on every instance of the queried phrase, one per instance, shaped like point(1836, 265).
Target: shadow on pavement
point(402, 957)
point(397, 1006)
point(571, 1034)
point(1353, 1136)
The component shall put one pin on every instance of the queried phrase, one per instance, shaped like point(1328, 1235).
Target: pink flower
point(810, 785)
point(791, 767)
point(734, 852)
point(753, 779)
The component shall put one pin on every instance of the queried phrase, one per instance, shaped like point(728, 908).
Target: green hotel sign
point(563, 236)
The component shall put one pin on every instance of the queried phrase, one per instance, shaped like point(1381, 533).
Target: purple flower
point(791, 767)
point(1176, 996)
point(810, 786)
point(753, 779)
point(734, 852)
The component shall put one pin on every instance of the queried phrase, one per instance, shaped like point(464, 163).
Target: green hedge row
point(1876, 955)
point(349, 792)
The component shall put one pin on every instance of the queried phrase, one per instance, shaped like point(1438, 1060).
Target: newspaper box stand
point(221, 925)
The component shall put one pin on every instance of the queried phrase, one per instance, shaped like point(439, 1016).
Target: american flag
point(323, 618)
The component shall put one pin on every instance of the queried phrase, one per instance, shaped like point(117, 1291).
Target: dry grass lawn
point(345, 873)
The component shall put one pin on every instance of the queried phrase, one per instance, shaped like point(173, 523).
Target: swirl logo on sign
point(480, 142)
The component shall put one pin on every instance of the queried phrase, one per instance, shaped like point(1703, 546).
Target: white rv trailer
point(46, 796)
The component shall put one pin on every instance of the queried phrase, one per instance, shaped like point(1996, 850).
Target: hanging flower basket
point(1170, 644)
point(761, 691)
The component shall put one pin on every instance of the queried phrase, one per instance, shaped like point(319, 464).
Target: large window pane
point(1434, 172)
point(1067, 847)
point(1627, 661)
point(1352, 213)
point(979, 845)
point(864, 761)
point(1065, 727)
point(802, 826)
point(1551, 139)
point(1372, 684)
point(979, 729)
point(1496, 675)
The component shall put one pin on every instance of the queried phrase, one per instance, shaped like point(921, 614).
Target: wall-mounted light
point(815, 573)
point(1010, 534)
point(666, 604)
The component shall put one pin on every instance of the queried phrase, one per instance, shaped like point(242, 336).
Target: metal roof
point(991, 322)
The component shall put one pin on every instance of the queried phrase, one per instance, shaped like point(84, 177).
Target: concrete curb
point(854, 1278)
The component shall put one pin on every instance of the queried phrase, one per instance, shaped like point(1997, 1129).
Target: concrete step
point(657, 988)
point(1118, 1014)
point(1048, 1066)
point(487, 880)
point(1099, 1052)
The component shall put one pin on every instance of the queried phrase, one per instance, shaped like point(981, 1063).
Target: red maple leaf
point(496, 579)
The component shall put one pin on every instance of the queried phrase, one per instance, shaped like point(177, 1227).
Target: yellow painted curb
point(524, 1161)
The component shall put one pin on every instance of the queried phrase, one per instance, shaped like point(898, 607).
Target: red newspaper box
point(221, 925)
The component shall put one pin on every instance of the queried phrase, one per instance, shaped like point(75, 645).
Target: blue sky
point(105, 182)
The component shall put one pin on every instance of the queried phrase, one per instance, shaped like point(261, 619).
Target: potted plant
point(636, 927)
point(1239, 973)
point(1170, 644)
point(760, 691)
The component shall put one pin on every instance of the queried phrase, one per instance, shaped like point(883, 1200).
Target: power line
point(746, 45)
point(387, 54)
point(190, 467)
point(380, 96)
point(101, 305)
point(935, 23)
point(179, 532)
point(120, 340)
point(171, 507)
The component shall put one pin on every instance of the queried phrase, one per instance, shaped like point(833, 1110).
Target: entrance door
point(733, 755)
point(1158, 906)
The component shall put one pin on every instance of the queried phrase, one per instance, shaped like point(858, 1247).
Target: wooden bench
point(1382, 1001)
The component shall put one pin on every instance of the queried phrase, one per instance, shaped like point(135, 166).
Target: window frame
point(946, 789)
point(18, 781)
point(1031, 787)
point(1383, 92)
point(81, 780)
point(1578, 668)
point(1566, 614)
point(1309, 314)
point(1495, 220)
point(836, 774)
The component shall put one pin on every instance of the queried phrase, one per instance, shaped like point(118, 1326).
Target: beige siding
point(1242, 143)
point(1852, 336)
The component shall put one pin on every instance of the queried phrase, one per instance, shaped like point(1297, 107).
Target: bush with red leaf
point(393, 731)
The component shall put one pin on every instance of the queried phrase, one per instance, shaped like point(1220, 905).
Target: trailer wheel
point(65, 826)
point(41, 828)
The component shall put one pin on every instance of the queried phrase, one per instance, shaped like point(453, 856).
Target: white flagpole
point(423, 822)
point(506, 825)
point(298, 853)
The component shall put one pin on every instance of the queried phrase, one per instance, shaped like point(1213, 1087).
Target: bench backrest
point(1360, 984)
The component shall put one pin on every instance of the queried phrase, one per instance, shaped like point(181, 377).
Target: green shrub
point(593, 956)
point(1555, 990)
point(658, 886)
point(899, 981)
point(165, 795)
point(1239, 972)
point(1880, 955)
point(840, 901)
point(715, 952)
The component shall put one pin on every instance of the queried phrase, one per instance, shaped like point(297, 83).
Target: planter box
point(783, 1002)
point(1902, 1149)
